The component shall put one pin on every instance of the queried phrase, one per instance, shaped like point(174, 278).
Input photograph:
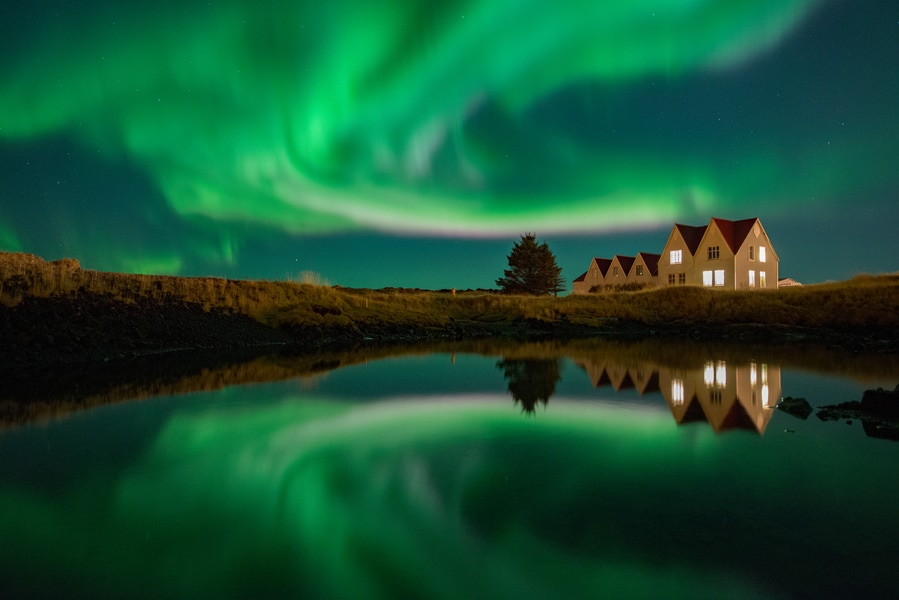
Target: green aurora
point(245, 122)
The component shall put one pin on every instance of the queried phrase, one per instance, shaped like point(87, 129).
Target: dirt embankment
point(92, 327)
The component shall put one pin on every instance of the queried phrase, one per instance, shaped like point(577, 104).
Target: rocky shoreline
point(878, 412)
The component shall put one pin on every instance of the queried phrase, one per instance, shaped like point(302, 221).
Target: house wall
point(725, 261)
point(756, 239)
point(594, 276)
point(616, 275)
point(646, 278)
point(676, 242)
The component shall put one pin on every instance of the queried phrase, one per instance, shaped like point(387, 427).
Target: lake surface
point(541, 470)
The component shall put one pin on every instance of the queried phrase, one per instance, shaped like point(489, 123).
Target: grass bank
point(862, 306)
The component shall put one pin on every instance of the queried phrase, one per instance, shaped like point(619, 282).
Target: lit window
point(682, 278)
point(715, 374)
point(761, 254)
point(752, 253)
point(752, 279)
point(753, 374)
point(719, 276)
point(714, 252)
point(708, 374)
point(721, 374)
point(676, 257)
point(707, 278)
point(761, 279)
point(639, 270)
point(677, 392)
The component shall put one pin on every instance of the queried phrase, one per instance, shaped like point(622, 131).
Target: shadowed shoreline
point(56, 313)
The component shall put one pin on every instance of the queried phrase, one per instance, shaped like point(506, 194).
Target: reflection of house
point(643, 377)
point(727, 395)
point(724, 254)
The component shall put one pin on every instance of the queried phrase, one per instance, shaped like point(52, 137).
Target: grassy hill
point(59, 309)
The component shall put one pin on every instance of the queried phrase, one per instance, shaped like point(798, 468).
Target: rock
point(837, 412)
point(881, 402)
point(797, 407)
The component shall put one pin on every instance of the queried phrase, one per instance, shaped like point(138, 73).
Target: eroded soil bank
point(66, 330)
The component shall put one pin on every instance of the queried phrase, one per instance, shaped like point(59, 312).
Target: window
point(676, 257)
point(752, 253)
point(615, 271)
point(761, 279)
point(670, 278)
point(719, 276)
point(761, 254)
point(707, 278)
point(715, 374)
point(682, 278)
point(752, 279)
point(714, 252)
point(677, 392)
point(639, 270)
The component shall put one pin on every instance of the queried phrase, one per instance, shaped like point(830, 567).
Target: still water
point(543, 470)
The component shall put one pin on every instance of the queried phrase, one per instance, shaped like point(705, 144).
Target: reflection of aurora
point(450, 499)
point(418, 117)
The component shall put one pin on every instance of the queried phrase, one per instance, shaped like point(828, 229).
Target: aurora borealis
point(410, 143)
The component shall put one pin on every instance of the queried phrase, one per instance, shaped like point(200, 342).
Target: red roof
point(734, 232)
point(692, 235)
point(626, 262)
point(651, 261)
point(603, 264)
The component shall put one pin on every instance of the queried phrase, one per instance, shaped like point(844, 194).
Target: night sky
point(410, 142)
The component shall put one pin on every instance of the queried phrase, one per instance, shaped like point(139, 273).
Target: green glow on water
point(310, 118)
point(446, 499)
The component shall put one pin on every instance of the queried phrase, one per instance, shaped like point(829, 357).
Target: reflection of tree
point(530, 380)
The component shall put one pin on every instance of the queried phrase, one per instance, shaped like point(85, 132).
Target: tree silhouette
point(532, 269)
point(531, 381)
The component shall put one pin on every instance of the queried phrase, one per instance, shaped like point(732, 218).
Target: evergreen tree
point(532, 269)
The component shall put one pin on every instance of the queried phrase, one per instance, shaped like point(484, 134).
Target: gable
point(626, 262)
point(692, 236)
point(651, 261)
point(735, 232)
point(603, 265)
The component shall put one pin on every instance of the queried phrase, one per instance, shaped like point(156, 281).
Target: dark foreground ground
point(96, 328)
point(91, 328)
